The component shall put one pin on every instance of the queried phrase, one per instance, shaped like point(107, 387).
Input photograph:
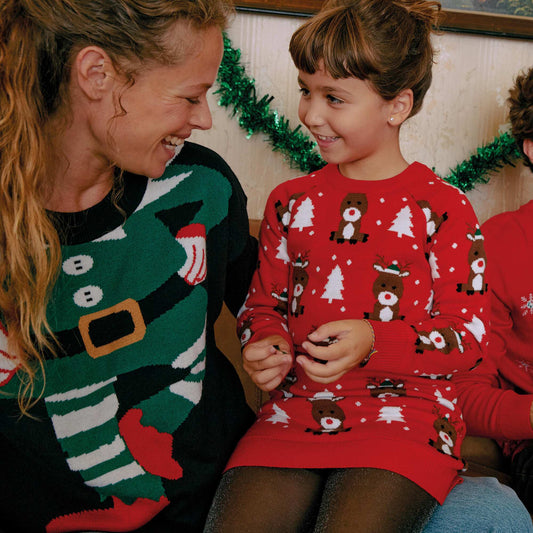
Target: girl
point(383, 266)
point(112, 279)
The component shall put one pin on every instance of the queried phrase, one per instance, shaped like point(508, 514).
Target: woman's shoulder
point(197, 154)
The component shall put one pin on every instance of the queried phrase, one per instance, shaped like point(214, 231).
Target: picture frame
point(465, 20)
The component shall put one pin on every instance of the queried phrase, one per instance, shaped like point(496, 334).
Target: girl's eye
point(333, 100)
point(304, 91)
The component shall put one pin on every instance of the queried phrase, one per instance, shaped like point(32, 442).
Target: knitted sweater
point(139, 411)
point(405, 253)
point(489, 396)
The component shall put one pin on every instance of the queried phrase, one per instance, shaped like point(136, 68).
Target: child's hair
point(387, 42)
point(38, 41)
point(521, 111)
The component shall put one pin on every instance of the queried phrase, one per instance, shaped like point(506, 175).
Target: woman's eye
point(193, 101)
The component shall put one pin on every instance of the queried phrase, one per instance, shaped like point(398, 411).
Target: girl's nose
point(310, 113)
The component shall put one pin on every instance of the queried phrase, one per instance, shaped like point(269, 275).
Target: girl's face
point(349, 120)
point(161, 108)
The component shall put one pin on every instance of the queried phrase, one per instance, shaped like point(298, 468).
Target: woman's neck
point(79, 178)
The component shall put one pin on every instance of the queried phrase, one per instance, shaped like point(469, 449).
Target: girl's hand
point(267, 361)
point(339, 346)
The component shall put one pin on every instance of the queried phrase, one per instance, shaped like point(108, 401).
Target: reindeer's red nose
point(388, 296)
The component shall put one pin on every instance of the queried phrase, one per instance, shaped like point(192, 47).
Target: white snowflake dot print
point(363, 420)
point(454, 245)
point(378, 222)
point(527, 305)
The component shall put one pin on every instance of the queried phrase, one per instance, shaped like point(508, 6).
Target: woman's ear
point(93, 72)
point(401, 107)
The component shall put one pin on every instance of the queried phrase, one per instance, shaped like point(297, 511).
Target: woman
point(117, 411)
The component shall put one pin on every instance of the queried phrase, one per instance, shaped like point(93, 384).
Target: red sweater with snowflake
point(405, 253)
point(489, 396)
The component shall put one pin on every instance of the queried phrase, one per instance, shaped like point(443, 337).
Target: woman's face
point(162, 108)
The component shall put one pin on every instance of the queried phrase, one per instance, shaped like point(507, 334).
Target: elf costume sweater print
point(406, 253)
point(138, 413)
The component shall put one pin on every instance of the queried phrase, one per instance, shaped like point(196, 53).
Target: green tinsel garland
point(238, 91)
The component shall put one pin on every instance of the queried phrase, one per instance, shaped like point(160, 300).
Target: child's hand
point(339, 346)
point(267, 361)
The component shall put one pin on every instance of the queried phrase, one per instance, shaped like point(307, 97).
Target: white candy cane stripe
point(79, 393)
point(84, 419)
point(116, 476)
point(188, 390)
point(189, 356)
point(100, 455)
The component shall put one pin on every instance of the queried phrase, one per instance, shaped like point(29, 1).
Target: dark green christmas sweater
point(140, 411)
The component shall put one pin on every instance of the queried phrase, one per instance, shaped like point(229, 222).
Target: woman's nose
point(201, 117)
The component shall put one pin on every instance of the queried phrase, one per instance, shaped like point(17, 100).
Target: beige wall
point(464, 109)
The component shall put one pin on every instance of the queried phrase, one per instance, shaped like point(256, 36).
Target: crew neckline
point(333, 177)
point(90, 224)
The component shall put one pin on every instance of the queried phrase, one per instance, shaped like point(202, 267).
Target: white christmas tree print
point(476, 327)
point(304, 215)
point(432, 260)
point(282, 251)
point(402, 223)
point(334, 287)
point(527, 305)
point(429, 306)
point(279, 416)
point(391, 414)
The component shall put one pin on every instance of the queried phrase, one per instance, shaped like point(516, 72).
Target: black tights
point(285, 500)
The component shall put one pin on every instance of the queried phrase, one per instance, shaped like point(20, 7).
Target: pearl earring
point(391, 119)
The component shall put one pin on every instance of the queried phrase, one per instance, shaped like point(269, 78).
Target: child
point(497, 397)
point(383, 264)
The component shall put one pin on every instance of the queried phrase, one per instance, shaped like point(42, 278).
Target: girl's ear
point(528, 148)
point(401, 107)
point(93, 72)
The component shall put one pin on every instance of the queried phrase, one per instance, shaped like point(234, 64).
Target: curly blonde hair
point(521, 111)
point(38, 40)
